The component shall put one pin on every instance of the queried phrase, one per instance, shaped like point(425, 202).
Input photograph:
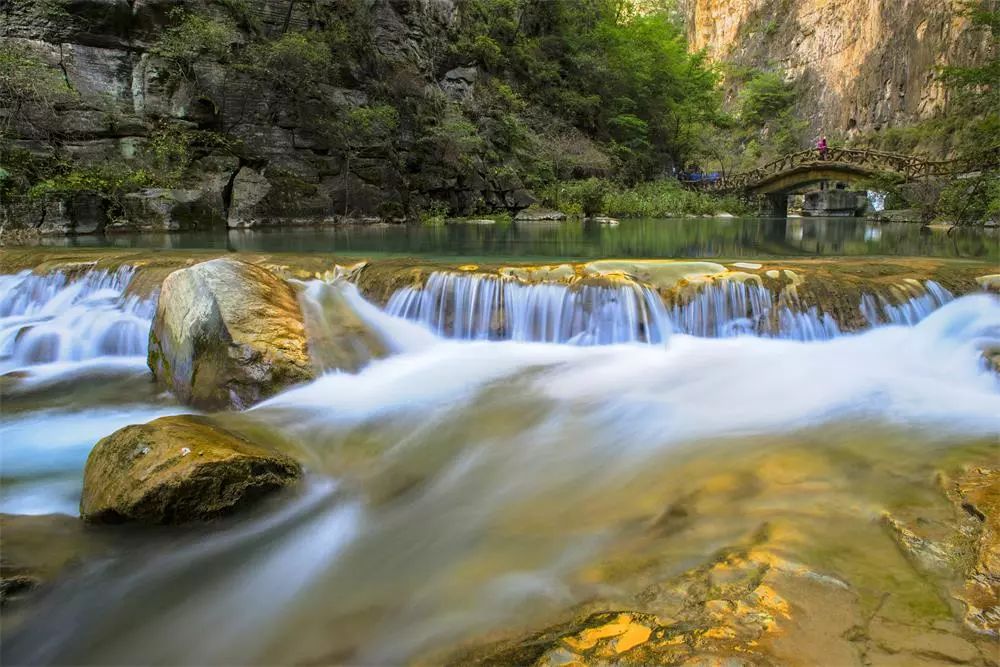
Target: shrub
point(653, 199)
point(194, 37)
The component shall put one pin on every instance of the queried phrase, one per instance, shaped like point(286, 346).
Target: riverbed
point(573, 467)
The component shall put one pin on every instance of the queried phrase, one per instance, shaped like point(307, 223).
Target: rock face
point(864, 64)
point(227, 334)
point(122, 94)
point(177, 469)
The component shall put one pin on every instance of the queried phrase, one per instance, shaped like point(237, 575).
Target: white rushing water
point(478, 307)
point(454, 485)
point(470, 307)
point(73, 341)
point(486, 463)
point(919, 300)
point(60, 318)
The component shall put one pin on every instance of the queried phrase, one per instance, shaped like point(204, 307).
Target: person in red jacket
point(822, 147)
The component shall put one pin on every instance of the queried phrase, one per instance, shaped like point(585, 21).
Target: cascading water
point(478, 307)
point(68, 341)
point(62, 318)
point(454, 489)
point(916, 301)
point(484, 485)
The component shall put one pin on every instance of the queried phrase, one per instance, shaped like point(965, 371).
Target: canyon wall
point(271, 166)
point(861, 64)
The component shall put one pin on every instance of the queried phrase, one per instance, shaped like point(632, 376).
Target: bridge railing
point(910, 167)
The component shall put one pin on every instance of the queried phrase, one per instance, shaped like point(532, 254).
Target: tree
point(30, 91)
point(364, 127)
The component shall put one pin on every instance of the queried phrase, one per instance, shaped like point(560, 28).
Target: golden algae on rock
point(177, 469)
point(227, 334)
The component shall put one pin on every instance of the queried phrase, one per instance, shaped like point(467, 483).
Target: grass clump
point(653, 199)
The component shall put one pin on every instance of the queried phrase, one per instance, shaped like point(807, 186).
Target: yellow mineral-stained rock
point(227, 333)
point(659, 274)
point(177, 469)
point(990, 283)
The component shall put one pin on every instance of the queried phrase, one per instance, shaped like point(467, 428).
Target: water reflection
point(708, 237)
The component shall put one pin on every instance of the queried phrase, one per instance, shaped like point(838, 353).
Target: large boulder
point(227, 334)
point(177, 469)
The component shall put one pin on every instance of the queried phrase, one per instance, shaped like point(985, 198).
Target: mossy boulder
point(177, 469)
point(227, 334)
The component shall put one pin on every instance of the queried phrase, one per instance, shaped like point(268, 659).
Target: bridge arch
point(775, 180)
point(802, 176)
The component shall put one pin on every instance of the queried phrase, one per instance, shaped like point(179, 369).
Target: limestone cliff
point(281, 171)
point(861, 64)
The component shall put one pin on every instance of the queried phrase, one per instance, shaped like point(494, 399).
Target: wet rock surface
point(34, 549)
point(178, 469)
point(339, 339)
point(227, 334)
point(755, 601)
point(962, 549)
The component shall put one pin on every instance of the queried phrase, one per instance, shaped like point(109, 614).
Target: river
point(478, 486)
point(545, 241)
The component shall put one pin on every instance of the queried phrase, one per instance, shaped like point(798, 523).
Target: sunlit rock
point(976, 492)
point(227, 334)
point(177, 469)
point(990, 283)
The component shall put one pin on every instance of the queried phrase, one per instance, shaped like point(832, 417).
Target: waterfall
point(62, 317)
point(478, 307)
point(484, 307)
point(916, 301)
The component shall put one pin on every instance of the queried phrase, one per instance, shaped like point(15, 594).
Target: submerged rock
point(227, 334)
point(537, 214)
point(976, 492)
point(961, 551)
point(35, 549)
point(177, 469)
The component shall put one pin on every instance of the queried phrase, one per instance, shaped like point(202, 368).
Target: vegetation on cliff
point(966, 128)
point(341, 114)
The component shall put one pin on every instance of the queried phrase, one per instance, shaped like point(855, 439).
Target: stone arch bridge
point(798, 171)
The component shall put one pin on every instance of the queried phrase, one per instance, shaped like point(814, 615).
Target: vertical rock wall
point(862, 64)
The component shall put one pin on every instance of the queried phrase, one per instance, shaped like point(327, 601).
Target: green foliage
point(666, 198)
point(453, 140)
point(194, 37)
point(590, 194)
point(52, 10)
point(108, 179)
point(434, 214)
point(765, 96)
point(293, 65)
point(370, 124)
point(163, 162)
point(652, 199)
point(970, 125)
point(978, 88)
point(29, 89)
point(623, 76)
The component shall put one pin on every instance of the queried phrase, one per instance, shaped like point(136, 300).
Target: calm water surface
point(702, 237)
